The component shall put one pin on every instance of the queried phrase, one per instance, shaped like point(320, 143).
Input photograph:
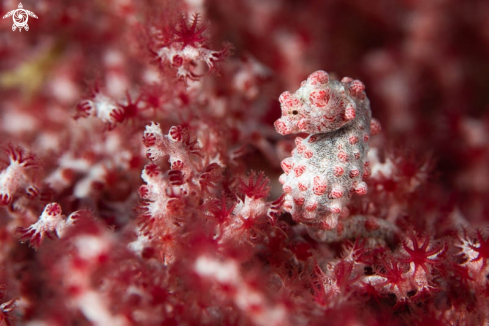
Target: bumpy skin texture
point(328, 166)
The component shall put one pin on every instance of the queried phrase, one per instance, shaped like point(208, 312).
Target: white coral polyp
point(188, 57)
point(104, 108)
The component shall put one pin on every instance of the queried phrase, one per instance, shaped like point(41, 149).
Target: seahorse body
point(328, 166)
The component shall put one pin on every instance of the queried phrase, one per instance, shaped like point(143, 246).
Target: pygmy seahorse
point(327, 167)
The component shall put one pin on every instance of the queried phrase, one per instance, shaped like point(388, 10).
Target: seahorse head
point(294, 114)
point(318, 106)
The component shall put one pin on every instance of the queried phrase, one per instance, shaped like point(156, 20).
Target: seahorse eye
point(295, 112)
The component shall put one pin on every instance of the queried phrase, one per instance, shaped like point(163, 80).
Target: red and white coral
point(101, 106)
point(15, 180)
point(51, 223)
point(253, 303)
point(210, 248)
point(6, 312)
point(185, 47)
